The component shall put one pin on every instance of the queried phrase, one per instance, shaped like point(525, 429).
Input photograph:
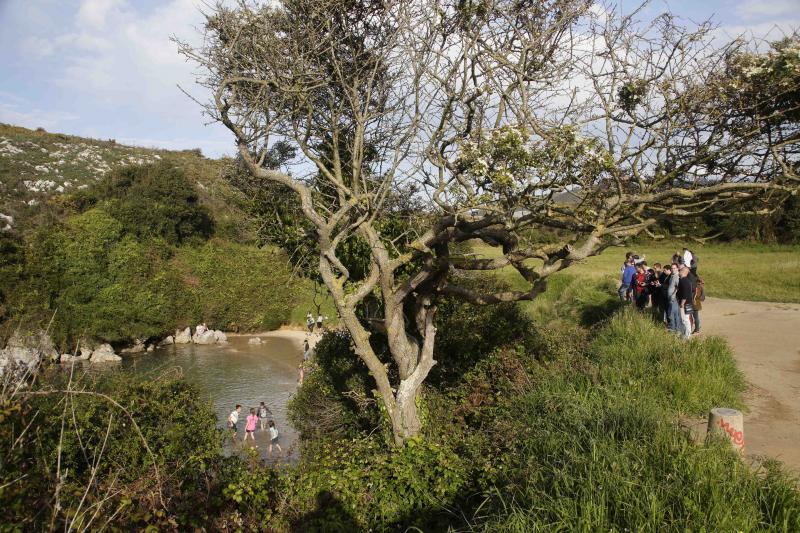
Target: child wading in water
point(250, 428)
point(263, 414)
point(273, 435)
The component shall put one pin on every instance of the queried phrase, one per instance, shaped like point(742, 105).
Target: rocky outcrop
point(24, 351)
point(167, 341)
point(104, 354)
point(138, 347)
point(183, 337)
point(205, 337)
point(209, 336)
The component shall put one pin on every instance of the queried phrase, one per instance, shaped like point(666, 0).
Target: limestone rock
point(220, 336)
point(167, 341)
point(85, 353)
point(104, 354)
point(150, 347)
point(205, 337)
point(25, 350)
point(255, 340)
point(183, 337)
point(138, 347)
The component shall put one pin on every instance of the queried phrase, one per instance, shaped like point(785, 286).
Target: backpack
point(700, 290)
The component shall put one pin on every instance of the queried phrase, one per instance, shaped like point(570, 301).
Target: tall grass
point(597, 446)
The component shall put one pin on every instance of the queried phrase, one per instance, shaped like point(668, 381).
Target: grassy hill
point(37, 168)
point(119, 243)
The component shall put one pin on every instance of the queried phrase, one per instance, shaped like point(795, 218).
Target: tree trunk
point(406, 423)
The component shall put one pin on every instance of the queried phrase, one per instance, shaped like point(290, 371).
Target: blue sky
point(107, 69)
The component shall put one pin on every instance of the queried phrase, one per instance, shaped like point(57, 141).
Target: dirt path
point(766, 341)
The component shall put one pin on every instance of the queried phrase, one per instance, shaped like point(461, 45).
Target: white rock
point(205, 337)
point(104, 354)
point(255, 340)
point(26, 350)
point(183, 337)
point(138, 347)
point(86, 353)
point(150, 347)
point(220, 336)
point(167, 341)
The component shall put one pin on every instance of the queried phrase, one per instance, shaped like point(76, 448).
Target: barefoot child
point(273, 435)
point(233, 420)
point(250, 428)
point(263, 414)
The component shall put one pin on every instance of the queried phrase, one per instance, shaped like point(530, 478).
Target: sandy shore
point(296, 335)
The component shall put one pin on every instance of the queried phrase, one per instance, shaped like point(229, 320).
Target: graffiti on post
point(736, 436)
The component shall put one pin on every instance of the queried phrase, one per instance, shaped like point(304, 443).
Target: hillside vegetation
point(115, 243)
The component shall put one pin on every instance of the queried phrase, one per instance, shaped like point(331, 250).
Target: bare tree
point(492, 110)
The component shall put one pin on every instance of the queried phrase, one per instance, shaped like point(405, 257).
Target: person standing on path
point(319, 322)
point(250, 427)
point(674, 322)
point(310, 322)
point(640, 287)
point(699, 295)
point(306, 351)
point(263, 414)
point(628, 273)
point(687, 258)
point(233, 420)
point(685, 299)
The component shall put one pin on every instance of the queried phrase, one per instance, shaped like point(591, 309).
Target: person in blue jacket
point(628, 272)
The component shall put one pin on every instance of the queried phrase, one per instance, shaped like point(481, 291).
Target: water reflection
point(237, 372)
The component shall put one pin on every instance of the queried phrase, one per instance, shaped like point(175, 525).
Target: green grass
point(307, 299)
point(740, 271)
point(596, 446)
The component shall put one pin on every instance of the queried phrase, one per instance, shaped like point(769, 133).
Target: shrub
point(95, 282)
point(236, 287)
point(156, 201)
point(84, 461)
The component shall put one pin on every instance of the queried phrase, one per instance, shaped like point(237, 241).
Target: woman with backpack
point(699, 297)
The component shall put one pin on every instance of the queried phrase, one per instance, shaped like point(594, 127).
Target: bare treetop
point(491, 111)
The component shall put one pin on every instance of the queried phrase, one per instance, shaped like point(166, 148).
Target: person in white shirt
point(233, 420)
point(687, 258)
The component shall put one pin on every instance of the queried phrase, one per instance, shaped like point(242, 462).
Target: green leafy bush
point(236, 287)
point(106, 449)
point(156, 201)
point(97, 282)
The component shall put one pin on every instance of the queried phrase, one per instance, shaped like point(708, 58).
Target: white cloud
point(22, 115)
point(37, 47)
point(94, 13)
point(756, 9)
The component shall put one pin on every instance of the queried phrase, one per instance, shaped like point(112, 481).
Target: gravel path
point(765, 338)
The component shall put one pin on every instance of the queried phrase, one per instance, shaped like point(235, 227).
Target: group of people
point(674, 290)
point(262, 416)
point(310, 322)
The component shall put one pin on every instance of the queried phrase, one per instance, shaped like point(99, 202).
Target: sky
point(107, 68)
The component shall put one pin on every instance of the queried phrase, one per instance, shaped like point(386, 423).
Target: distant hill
point(38, 168)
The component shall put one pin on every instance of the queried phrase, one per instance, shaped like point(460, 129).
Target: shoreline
point(295, 335)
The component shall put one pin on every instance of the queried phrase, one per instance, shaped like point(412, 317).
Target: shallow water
point(236, 372)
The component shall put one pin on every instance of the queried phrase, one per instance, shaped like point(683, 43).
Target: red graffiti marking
point(737, 436)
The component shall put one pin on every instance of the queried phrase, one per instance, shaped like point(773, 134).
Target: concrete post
point(728, 423)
